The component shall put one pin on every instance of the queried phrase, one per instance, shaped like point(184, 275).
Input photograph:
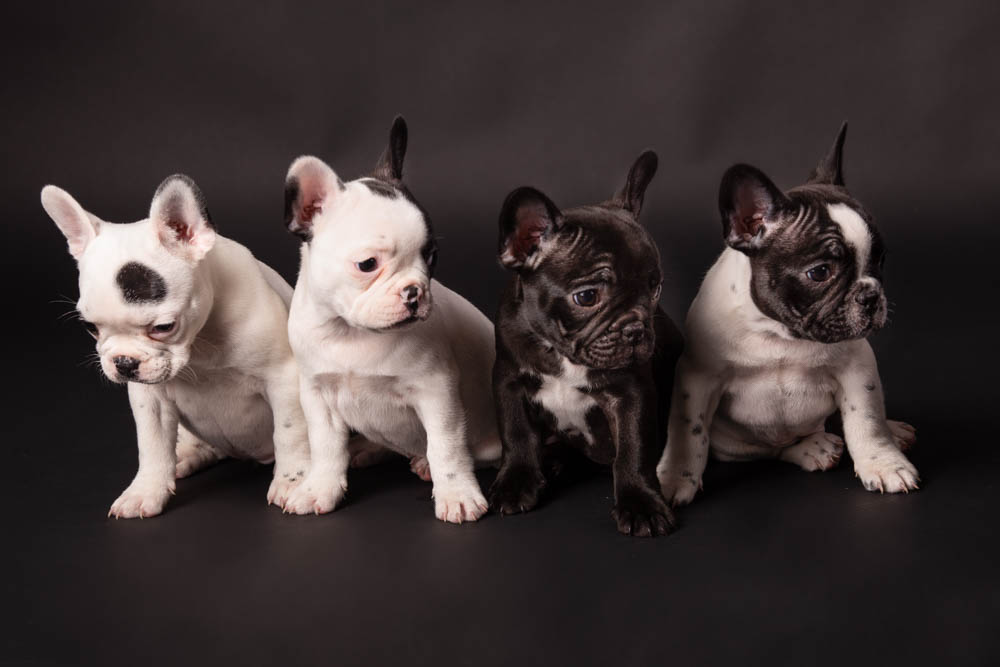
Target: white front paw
point(142, 498)
point(678, 484)
point(886, 470)
point(458, 501)
point(316, 494)
point(286, 479)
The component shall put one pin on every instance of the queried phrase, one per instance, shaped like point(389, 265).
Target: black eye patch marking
point(141, 284)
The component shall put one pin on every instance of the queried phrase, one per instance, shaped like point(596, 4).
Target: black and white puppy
point(585, 355)
point(776, 338)
point(383, 349)
point(197, 327)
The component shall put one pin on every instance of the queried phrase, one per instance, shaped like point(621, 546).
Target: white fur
point(224, 383)
point(421, 390)
point(855, 231)
point(748, 387)
point(561, 395)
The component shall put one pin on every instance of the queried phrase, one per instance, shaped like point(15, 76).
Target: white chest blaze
point(562, 397)
point(855, 231)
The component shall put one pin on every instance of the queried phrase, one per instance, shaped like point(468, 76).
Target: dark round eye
point(368, 265)
point(819, 273)
point(90, 327)
point(163, 328)
point(585, 298)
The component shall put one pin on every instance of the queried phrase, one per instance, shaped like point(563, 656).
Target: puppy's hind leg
point(193, 454)
point(818, 451)
point(366, 453)
point(904, 434)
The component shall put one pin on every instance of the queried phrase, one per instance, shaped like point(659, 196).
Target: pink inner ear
point(749, 214)
point(311, 208)
point(531, 224)
point(181, 231)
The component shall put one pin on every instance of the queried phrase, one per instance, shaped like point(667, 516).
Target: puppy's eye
point(585, 298)
point(819, 273)
point(91, 328)
point(162, 329)
point(368, 265)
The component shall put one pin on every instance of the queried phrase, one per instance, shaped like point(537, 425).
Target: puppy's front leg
point(291, 439)
point(156, 431)
point(326, 482)
point(694, 401)
point(456, 492)
point(878, 461)
point(639, 508)
point(520, 480)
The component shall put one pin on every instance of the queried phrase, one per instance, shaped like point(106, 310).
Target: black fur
point(590, 247)
point(785, 234)
point(140, 284)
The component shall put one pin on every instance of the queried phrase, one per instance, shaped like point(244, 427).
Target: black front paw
point(642, 513)
point(516, 489)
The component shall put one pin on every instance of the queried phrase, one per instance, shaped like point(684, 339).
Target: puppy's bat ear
point(389, 167)
point(309, 187)
point(631, 195)
point(526, 219)
point(751, 207)
point(78, 226)
point(181, 219)
point(830, 170)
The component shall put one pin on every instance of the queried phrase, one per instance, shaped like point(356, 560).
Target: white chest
point(561, 396)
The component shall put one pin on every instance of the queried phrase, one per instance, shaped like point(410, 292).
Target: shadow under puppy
point(585, 354)
point(197, 327)
point(776, 338)
point(377, 356)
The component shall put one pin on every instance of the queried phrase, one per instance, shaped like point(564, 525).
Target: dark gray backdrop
point(106, 100)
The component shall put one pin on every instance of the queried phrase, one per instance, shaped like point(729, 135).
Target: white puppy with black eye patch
point(198, 329)
point(776, 339)
point(375, 357)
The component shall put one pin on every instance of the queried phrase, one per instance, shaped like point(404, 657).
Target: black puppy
point(585, 355)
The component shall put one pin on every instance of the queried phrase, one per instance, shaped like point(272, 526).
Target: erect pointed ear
point(527, 217)
point(631, 195)
point(181, 218)
point(751, 207)
point(309, 186)
point(78, 226)
point(830, 170)
point(390, 166)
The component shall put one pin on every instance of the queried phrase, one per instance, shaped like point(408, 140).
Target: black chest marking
point(141, 284)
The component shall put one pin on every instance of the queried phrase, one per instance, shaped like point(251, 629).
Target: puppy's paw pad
point(516, 490)
point(887, 471)
point(141, 500)
point(457, 503)
point(642, 513)
point(903, 434)
point(316, 496)
point(819, 451)
point(284, 483)
point(421, 468)
point(678, 485)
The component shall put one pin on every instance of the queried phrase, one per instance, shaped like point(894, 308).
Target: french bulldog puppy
point(776, 338)
point(585, 354)
point(384, 350)
point(198, 329)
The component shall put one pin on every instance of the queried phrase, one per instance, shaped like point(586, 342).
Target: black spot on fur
point(854, 408)
point(696, 430)
point(141, 284)
point(733, 287)
point(686, 473)
point(870, 386)
point(380, 188)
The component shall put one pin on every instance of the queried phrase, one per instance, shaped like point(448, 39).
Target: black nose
point(410, 293)
point(126, 366)
point(867, 297)
point(634, 332)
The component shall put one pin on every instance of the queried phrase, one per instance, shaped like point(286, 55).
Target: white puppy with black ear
point(198, 329)
point(374, 356)
point(776, 338)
